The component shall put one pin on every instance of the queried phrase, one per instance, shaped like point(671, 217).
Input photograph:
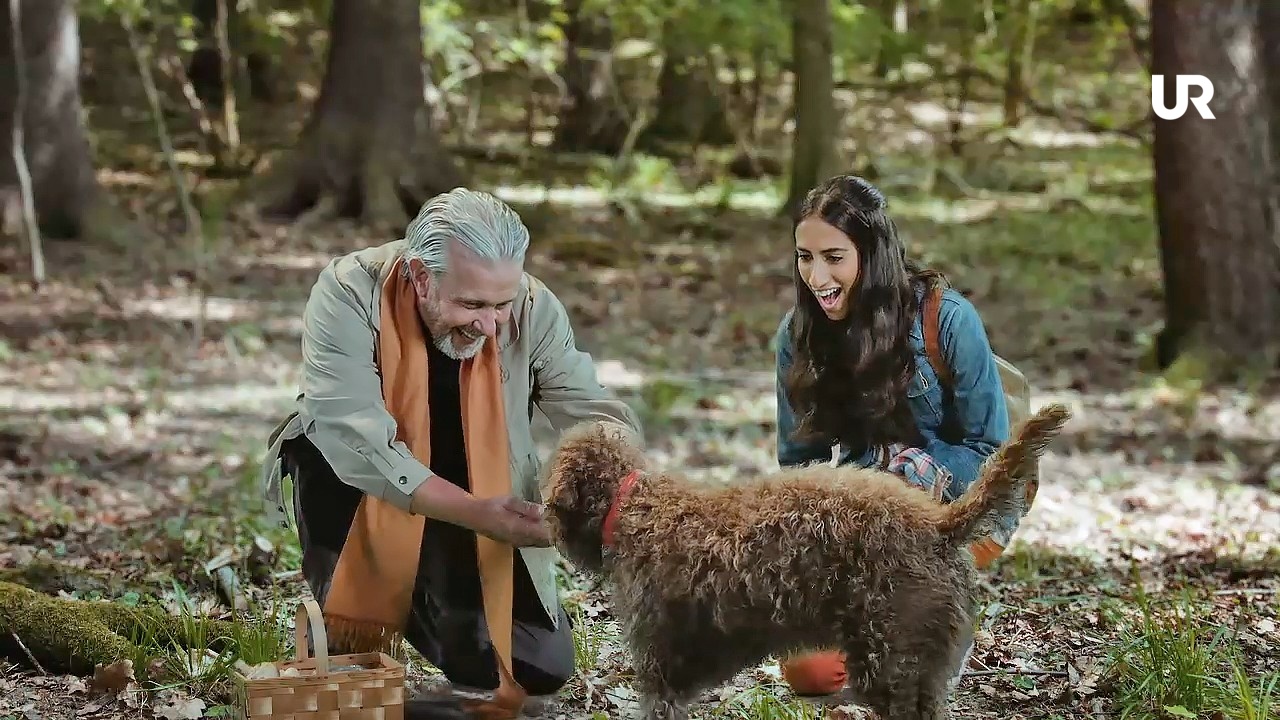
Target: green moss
point(73, 636)
point(63, 635)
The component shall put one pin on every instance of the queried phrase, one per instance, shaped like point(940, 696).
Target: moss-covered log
point(74, 636)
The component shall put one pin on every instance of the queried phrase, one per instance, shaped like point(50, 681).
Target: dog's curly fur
point(708, 581)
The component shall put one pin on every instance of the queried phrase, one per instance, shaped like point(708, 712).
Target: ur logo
point(1182, 83)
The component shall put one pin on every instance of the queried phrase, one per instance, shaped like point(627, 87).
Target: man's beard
point(446, 343)
point(446, 339)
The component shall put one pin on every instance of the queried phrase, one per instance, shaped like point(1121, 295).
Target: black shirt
point(455, 580)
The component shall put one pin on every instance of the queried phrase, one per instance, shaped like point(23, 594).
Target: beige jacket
point(340, 408)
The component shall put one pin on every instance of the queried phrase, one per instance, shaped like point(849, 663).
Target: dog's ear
point(557, 494)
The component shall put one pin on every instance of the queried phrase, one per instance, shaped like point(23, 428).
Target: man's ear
point(420, 277)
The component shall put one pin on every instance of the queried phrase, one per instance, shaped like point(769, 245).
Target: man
point(411, 454)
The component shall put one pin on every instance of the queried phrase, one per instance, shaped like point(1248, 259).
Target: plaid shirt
point(918, 468)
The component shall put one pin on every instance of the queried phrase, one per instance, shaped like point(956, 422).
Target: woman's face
point(828, 265)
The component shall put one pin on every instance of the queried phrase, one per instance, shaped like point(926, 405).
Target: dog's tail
point(998, 489)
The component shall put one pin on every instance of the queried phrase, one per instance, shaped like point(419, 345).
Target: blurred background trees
point(339, 108)
point(180, 170)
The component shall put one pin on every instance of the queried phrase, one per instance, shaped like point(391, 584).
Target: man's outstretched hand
point(507, 519)
point(514, 521)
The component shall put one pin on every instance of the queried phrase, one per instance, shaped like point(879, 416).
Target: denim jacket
point(960, 428)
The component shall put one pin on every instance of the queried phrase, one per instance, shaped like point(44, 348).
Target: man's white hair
point(477, 221)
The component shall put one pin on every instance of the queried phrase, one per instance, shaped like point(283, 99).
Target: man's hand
point(506, 519)
point(514, 521)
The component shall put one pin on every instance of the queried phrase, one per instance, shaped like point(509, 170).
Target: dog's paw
point(653, 708)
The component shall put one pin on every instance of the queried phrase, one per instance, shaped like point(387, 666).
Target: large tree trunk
point(1216, 201)
point(369, 150)
point(690, 106)
point(592, 116)
point(69, 203)
point(813, 144)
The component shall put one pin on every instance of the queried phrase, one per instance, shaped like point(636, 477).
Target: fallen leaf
point(113, 678)
point(93, 707)
point(179, 706)
point(132, 697)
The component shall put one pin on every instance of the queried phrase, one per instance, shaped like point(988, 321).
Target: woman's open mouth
point(828, 298)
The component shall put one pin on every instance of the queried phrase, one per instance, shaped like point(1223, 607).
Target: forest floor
point(131, 444)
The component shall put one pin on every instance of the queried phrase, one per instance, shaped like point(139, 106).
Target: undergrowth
point(198, 658)
point(1172, 662)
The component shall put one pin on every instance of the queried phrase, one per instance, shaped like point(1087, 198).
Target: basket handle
point(310, 622)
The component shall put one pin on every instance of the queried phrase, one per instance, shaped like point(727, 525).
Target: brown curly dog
point(708, 581)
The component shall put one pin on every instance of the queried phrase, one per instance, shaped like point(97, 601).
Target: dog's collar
point(611, 517)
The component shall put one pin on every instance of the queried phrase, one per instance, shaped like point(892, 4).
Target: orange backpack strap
point(932, 312)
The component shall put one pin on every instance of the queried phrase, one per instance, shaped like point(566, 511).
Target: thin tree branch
point(230, 120)
point(32, 226)
point(194, 227)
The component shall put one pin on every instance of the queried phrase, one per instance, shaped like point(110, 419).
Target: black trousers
point(446, 621)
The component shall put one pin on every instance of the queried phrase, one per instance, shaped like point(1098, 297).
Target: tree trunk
point(205, 68)
point(592, 116)
point(1269, 28)
point(690, 107)
point(69, 202)
point(813, 142)
point(369, 150)
point(1021, 23)
point(1216, 201)
point(893, 16)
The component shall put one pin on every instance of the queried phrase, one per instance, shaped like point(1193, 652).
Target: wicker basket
point(321, 692)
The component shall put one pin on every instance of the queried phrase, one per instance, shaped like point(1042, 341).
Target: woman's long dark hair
point(849, 380)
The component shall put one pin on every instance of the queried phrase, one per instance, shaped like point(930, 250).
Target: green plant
point(262, 636)
point(1174, 662)
point(1242, 698)
point(588, 638)
point(764, 702)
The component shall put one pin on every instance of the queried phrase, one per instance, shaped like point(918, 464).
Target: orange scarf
point(372, 587)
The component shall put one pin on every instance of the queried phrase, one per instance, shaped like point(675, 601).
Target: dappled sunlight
point(300, 260)
point(1054, 137)
point(587, 197)
point(191, 307)
point(1097, 503)
point(935, 115)
point(276, 317)
point(125, 179)
point(618, 375)
point(985, 205)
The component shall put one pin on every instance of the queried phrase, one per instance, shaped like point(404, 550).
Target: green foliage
point(762, 702)
point(1173, 662)
point(589, 638)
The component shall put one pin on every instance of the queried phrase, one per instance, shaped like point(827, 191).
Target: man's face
point(464, 307)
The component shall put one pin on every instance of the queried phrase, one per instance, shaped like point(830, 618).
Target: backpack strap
point(932, 311)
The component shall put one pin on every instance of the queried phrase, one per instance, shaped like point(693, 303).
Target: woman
point(853, 370)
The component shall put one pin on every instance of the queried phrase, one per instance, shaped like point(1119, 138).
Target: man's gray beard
point(445, 344)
